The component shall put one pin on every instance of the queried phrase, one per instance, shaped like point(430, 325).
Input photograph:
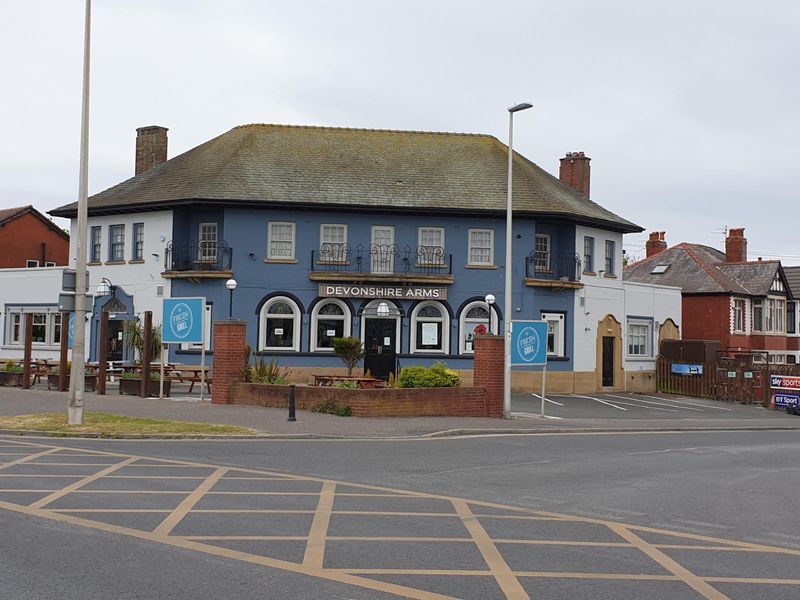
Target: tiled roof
point(7, 214)
point(356, 168)
point(793, 278)
point(698, 269)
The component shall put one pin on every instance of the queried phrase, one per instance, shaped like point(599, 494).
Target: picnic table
point(362, 383)
point(189, 373)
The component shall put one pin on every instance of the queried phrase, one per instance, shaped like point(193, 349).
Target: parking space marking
point(685, 401)
point(600, 401)
point(673, 407)
point(546, 399)
point(481, 520)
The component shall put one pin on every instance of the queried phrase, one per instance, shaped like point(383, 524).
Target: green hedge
point(423, 377)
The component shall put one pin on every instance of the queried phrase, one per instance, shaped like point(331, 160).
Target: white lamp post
point(509, 268)
point(490, 301)
point(231, 285)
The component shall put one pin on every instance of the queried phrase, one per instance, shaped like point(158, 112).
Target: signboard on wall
point(687, 369)
point(786, 400)
point(183, 320)
point(388, 292)
point(784, 382)
point(528, 343)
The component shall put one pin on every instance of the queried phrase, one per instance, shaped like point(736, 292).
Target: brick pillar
point(229, 355)
point(488, 373)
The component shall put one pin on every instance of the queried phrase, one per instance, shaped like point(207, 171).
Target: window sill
point(280, 261)
point(93, 263)
point(114, 262)
point(640, 358)
point(552, 358)
point(484, 267)
point(137, 261)
point(609, 276)
point(592, 273)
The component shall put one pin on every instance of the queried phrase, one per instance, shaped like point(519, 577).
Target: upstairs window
point(758, 315)
point(280, 240)
point(588, 254)
point(541, 252)
point(116, 235)
point(333, 242)
point(138, 241)
point(611, 257)
point(431, 245)
point(791, 317)
point(31, 264)
point(207, 238)
point(94, 244)
point(481, 247)
point(738, 315)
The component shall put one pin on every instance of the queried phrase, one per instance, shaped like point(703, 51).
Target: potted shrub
point(350, 351)
point(11, 375)
point(89, 378)
point(130, 383)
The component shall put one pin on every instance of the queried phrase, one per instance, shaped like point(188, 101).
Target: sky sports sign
point(382, 291)
point(789, 396)
point(785, 382)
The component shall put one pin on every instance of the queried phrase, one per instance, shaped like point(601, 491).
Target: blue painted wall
point(245, 230)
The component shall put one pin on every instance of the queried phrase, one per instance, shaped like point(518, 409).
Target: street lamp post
point(231, 285)
point(490, 301)
point(509, 268)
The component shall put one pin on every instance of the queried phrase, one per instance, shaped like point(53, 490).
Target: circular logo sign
point(528, 344)
point(180, 320)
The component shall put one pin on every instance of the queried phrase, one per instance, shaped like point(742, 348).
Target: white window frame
point(558, 320)
point(471, 245)
point(588, 263)
point(31, 264)
point(119, 243)
point(96, 243)
point(296, 327)
point(338, 254)
point(541, 258)
point(346, 318)
point(382, 262)
point(648, 337)
point(463, 321)
point(207, 243)
point(610, 259)
point(424, 231)
point(50, 263)
point(739, 310)
point(444, 319)
point(15, 319)
point(137, 245)
point(270, 235)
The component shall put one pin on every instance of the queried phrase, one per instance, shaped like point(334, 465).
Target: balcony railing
point(545, 266)
point(198, 256)
point(382, 259)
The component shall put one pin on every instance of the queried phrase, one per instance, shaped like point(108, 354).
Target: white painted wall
point(141, 280)
point(32, 290)
point(645, 300)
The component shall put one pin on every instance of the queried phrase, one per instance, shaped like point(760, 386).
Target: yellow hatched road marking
point(28, 458)
point(188, 503)
point(314, 556)
point(79, 484)
point(502, 573)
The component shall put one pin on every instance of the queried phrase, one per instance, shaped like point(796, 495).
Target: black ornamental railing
point(541, 265)
point(377, 259)
point(198, 256)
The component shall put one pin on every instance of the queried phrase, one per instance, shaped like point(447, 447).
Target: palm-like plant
point(134, 339)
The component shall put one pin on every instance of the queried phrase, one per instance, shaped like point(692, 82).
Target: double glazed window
point(611, 257)
point(775, 315)
point(116, 235)
point(791, 316)
point(481, 247)
point(333, 242)
point(640, 338)
point(94, 244)
point(46, 328)
point(738, 315)
point(138, 241)
point(588, 254)
point(280, 240)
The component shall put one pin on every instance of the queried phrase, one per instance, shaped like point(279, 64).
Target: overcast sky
point(689, 109)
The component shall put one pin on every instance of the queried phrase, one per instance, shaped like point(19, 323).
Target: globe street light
point(509, 268)
point(490, 301)
point(231, 285)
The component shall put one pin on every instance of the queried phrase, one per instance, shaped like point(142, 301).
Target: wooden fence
point(701, 384)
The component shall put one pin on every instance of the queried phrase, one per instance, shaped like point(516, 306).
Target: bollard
point(292, 416)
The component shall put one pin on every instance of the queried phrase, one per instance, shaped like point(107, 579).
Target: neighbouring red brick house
point(29, 239)
point(748, 306)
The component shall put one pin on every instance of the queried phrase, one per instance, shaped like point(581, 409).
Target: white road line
point(520, 464)
point(600, 401)
point(547, 400)
point(682, 401)
point(671, 409)
point(534, 416)
point(661, 451)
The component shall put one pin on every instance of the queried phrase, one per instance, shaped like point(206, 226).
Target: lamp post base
point(75, 415)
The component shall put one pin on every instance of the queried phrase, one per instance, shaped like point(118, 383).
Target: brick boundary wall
point(229, 356)
point(387, 402)
point(488, 371)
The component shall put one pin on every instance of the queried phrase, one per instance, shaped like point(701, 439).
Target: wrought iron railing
point(543, 265)
point(377, 259)
point(198, 256)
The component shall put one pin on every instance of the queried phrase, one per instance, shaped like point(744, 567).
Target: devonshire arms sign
point(382, 291)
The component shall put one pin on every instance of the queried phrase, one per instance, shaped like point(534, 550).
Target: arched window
point(279, 325)
point(430, 328)
point(329, 319)
point(475, 317)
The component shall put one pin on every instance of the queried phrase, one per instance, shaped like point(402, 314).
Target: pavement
point(220, 525)
point(571, 412)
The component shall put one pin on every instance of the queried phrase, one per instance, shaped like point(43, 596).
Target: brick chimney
point(574, 171)
point(655, 243)
point(736, 246)
point(151, 147)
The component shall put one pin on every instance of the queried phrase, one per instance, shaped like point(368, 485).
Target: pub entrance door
point(380, 343)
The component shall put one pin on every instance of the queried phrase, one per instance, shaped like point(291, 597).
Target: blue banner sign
point(687, 369)
point(528, 343)
point(183, 320)
point(71, 330)
point(784, 382)
point(786, 400)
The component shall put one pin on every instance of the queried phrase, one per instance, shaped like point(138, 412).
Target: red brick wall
point(391, 402)
point(229, 356)
point(488, 371)
point(21, 240)
point(706, 318)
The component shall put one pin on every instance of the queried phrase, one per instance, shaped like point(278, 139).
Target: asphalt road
point(93, 527)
